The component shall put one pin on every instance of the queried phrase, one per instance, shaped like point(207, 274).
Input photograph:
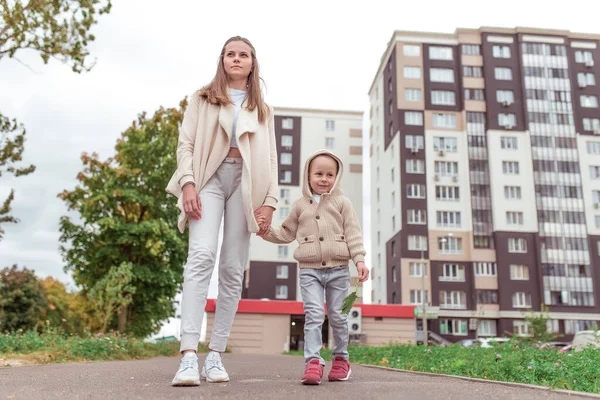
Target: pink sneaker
point(340, 370)
point(313, 373)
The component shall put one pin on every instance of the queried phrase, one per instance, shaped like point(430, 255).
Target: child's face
point(321, 174)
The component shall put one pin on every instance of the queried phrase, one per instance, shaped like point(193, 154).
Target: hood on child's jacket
point(335, 189)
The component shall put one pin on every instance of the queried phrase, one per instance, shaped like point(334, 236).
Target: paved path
point(253, 377)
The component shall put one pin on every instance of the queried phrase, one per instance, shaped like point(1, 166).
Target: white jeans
point(221, 197)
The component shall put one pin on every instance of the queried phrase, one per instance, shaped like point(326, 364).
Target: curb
point(513, 384)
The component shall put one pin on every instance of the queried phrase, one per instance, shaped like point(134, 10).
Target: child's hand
point(363, 271)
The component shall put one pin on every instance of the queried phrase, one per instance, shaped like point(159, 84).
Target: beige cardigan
point(204, 141)
point(328, 232)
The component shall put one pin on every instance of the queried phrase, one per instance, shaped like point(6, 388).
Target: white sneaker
point(187, 375)
point(213, 369)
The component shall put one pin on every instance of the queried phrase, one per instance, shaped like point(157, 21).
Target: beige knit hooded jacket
point(328, 232)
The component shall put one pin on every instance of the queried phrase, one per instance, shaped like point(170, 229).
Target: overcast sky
point(317, 54)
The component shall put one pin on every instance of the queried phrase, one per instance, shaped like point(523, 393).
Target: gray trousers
point(221, 199)
point(331, 286)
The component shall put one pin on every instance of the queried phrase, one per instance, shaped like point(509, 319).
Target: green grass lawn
point(510, 363)
point(54, 347)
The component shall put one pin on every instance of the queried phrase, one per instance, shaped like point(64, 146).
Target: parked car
point(583, 339)
point(485, 343)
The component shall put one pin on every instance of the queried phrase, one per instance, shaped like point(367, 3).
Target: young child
point(325, 225)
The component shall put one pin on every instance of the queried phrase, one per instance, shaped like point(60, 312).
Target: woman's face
point(237, 60)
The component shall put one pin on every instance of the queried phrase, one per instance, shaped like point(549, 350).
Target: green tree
point(113, 292)
point(22, 299)
point(71, 311)
point(56, 29)
point(125, 215)
point(538, 327)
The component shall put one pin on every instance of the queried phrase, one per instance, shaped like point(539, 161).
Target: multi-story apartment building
point(273, 272)
point(485, 178)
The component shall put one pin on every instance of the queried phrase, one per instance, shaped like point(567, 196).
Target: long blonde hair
point(216, 92)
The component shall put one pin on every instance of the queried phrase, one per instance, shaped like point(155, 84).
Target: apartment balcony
point(555, 229)
point(549, 106)
point(479, 178)
point(482, 203)
point(551, 130)
point(553, 178)
point(453, 306)
point(558, 256)
point(478, 153)
point(534, 82)
point(559, 283)
point(536, 60)
point(545, 153)
point(482, 228)
point(557, 203)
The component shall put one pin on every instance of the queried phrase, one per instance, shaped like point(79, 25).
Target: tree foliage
point(22, 299)
point(126, 216)
point(58, 29)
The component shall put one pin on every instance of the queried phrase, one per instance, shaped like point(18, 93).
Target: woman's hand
point(191, 202)
point(267, 213)
point(363, 271)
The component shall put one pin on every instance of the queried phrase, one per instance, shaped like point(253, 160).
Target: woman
point(226, 168)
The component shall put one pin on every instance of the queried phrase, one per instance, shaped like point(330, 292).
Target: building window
point(514, 218)
point(282, 251)
point(591, 125)
point(454, 327)
point(445, 75)
point(444, 121)
point(470, 49)
point(412, 95)
point(413, 118)
point(394, 275)
point(415, 191)
point(517, 245)
point(487, 296)
point(595, 172)
point(521, 300)
point(443, 97)
point(482, 242)
point(393, 199)
point(453, 299)
point(440, 53)
point(586, 79)
point(284, 212)
point(597, 218)
point(287, 123)
point(287, 140)
point(283, 272)
point(284, 194)
point(474, 94)
point(448, 219)
point(286, 159)
point(415, 141)
point(582, 56)
point(505, 96)
point(418, 297)
point(447, 193)
point(447, 144)
point(596, 196)
point(510, 167)
point(519, 272)
point(472, 72)
point(446, 168)
point(281, 292)
point(485, 269)
point(415, 166)
point(507, 120)
point(392, 175)
point(522, 328)
point(287, 177)
point(417, 269)
point(452, 272)
point(412, 72)
point(503, 74)
point(329, 143)
point(512, 192)
point(588, 101)
point(417, 243)
point(330, 125)
point(486, 327)
point(416, 217)
point(450, 245)
point(507, 142)
point(411, 50)
point(500, 51)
